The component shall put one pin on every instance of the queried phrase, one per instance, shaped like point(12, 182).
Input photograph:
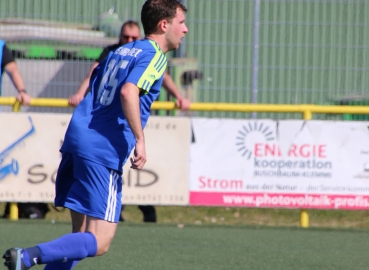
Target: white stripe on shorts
point(112, 198)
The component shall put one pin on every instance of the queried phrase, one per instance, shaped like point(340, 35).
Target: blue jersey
point(98, 130)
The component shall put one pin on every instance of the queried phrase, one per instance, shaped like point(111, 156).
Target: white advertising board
point(29, 155)
point(164, 179)
point(29, 158)
point(284, 164)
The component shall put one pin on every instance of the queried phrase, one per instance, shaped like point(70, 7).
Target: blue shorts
point(88, 188)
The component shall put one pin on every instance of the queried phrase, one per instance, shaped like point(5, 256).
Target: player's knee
point(103, 245)
point(102, 249)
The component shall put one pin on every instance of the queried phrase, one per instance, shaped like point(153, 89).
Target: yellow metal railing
point(305, 109)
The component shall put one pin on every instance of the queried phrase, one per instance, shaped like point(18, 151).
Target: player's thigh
point(104, 232)
point(78, 221)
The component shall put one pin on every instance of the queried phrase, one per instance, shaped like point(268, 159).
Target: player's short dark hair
point(130, 23)
point(153, 11)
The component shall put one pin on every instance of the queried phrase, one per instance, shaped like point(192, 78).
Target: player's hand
point(24, 98)
point(75, 99)
point(183, 104)
point(139, 159)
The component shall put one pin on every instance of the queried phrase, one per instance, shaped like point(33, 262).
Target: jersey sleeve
point(148, 71)
point(7, 57)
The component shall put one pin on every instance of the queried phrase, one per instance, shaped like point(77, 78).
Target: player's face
point(177, 30)
point(129, 34)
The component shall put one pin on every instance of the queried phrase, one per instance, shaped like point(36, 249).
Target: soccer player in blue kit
point(103, 130)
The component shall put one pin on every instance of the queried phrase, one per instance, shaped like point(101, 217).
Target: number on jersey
point(107, 88)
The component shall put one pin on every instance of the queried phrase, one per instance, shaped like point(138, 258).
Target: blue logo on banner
point(13, 167)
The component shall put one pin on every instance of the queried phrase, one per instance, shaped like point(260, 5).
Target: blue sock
point(69, 247)
point(31, 256)
point(61, 265)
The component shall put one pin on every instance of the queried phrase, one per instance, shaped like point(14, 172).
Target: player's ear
point(163, 26)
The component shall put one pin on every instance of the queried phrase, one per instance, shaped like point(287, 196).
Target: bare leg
point(78, 221)
point(103, 230)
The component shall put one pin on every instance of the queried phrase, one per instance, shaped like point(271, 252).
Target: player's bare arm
point(77, 97)
point(12, 70)
point(169, 85)
point(130, 101)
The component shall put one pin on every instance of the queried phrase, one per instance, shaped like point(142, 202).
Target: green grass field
point(166, 246)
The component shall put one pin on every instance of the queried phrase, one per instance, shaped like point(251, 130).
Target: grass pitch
point(165, 246)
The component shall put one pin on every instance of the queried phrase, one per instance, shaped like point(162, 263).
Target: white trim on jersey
point(112, 199)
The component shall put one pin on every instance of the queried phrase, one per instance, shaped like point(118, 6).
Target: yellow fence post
point(13, 213)
point(304, 218)
point(304, 215)
point(16, 106)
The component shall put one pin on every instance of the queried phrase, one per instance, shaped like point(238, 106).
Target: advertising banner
point(284, 164)
point(29, 155)
point(164, 179)
point(29, 158)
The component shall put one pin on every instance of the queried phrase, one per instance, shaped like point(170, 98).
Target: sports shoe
point(13, 259)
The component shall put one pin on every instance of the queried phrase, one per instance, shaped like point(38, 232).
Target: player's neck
point(160, 41)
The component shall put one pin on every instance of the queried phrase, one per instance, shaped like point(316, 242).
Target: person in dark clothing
point(28, 210)
point(8, 64)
